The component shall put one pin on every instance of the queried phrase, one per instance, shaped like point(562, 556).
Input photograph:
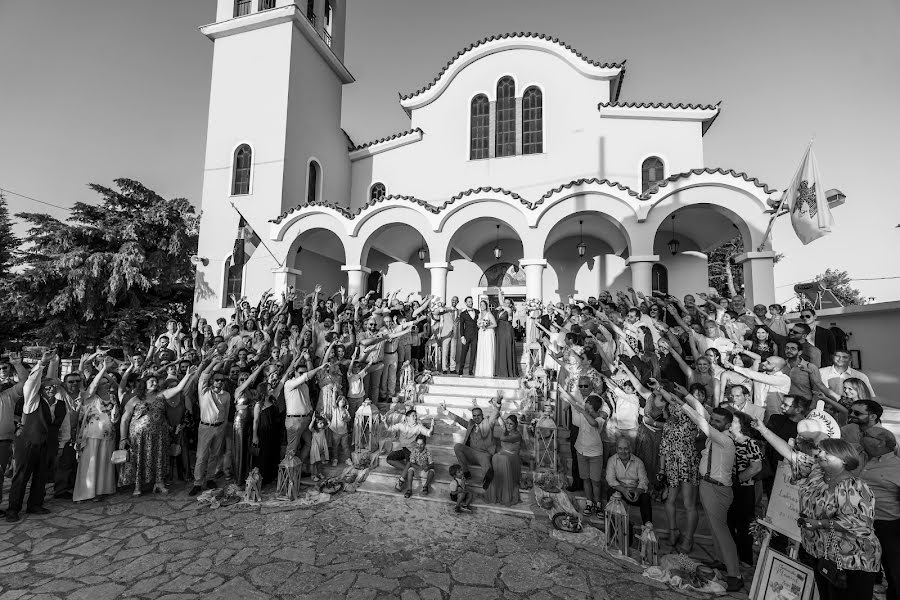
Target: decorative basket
point(564, 521)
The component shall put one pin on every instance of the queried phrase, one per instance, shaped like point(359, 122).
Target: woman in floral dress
point(679, 462)
point(145, 433)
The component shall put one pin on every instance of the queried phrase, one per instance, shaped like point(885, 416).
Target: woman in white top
point(484, 360)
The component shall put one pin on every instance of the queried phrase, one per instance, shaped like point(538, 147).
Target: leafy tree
point(726, 276)
point(8, 241)
point(107, 274)
point(839, 284)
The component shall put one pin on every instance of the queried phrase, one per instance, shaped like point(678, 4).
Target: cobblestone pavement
point(357, 546)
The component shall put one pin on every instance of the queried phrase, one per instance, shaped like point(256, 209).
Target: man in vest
point(11, 392)
point(479, 445)
point(31, 451)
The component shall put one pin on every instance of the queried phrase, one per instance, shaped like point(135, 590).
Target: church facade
point(521, 171)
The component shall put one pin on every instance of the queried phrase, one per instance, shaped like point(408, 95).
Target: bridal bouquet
point(483, 323)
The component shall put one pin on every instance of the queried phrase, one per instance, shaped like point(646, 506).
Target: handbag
point(175, 449)
point(119, 457)
point(831, 569)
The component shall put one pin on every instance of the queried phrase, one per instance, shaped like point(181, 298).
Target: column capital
point(355, 268)
point(438, 265)
point(290, 270)
point(532, 262)
point(741, 258)
point(643, 259)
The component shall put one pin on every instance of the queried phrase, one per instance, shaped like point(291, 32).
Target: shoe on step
point(735, 584)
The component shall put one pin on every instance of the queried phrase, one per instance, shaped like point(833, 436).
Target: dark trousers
point(888, 533)
point(470, 349)
point(5, 457)
point(64, 467)
point(860, 584)
point(642, 502)
point(740, 516)
point(31, 465)
point(573, 437)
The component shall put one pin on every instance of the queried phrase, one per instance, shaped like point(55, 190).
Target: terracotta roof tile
point(658, 105)
point(708, 171)
point(520, 34)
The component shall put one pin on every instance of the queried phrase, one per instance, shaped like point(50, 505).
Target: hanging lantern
point(498, 252)
point(673, 243)
point(617, 525)
point(581, 245)
point(649, 546)
point(423, 251)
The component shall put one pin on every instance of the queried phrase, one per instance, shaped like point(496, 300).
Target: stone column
point(759, 276)
point(439, 279)
point(285, 277)
point(534, 277)
point(356, 279)
point(642, 272)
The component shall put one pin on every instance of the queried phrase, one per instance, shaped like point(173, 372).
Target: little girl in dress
point(340, 435)
point(329, 384)
point(318, 451)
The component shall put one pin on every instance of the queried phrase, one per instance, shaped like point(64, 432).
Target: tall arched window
point(378, 191)
point(532, 121)
point(505, 118)
point(312, 181)
point(660, 278)
point(234, 282)
point(479, 127)
point(651, 173)
point(240, 180)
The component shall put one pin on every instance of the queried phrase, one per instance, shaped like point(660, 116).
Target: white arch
point(310, 217)
point(619, 213)
point(375, 220)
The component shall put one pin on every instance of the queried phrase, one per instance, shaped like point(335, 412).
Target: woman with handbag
point(747, 466)
point(837, 512)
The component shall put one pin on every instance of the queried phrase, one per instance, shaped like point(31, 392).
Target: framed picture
point(779, 577)
point(856, 359)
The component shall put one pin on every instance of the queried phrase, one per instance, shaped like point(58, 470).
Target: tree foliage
point(726, 276)
point(8, 241)
point(108, 273)
point(839, 284)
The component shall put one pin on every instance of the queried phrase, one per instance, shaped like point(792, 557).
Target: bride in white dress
point(487, 340)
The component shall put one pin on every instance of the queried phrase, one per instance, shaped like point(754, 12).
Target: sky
point(99, 89)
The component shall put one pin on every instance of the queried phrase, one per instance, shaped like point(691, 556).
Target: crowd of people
point(694, 398)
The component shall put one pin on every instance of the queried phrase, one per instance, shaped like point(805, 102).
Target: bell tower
point(274, 135)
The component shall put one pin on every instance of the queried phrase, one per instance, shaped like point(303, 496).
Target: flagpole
point(261, 241)
point(784, 196)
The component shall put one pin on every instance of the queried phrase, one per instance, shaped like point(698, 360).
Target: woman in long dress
point(96, 440)
point(145, 433)
point(506, 365)
point(245, 397)
point(507, 467)
point(484, 361)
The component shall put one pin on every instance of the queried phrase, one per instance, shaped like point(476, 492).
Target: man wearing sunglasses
point(214, 404)
point(10, 393)
point(880, 469)
point(818, 336)
point(31, 449)
point(479, 445)
point(864, 415)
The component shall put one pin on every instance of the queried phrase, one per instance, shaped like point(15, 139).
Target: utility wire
point(8, 191)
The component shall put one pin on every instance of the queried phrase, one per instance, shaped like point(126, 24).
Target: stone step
point(432, 410)
point(465, 401)
point(471, 391)
point(495, 383)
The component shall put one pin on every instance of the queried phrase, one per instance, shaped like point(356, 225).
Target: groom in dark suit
point(468, 337)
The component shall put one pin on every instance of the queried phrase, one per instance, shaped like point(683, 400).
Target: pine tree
point(839, 284)
point(8, 240)
point(110, 273)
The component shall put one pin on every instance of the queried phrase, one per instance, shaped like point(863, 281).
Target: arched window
point(242, 7)
point(651, 173)
point(479, 127)
point(660, 278)
point(532, 121)
point(312, 181)
point(505, 118)
point(234, 282)
point(378, 191)
point(240, 181)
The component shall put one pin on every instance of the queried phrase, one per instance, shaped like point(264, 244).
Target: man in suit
point(818, 336)
point(468, 337)
point(448, 334)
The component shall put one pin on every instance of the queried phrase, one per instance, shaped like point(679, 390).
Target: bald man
point(772, 383)
point(880, 469)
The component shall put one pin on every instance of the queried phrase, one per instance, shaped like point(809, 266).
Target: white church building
point(521, 170)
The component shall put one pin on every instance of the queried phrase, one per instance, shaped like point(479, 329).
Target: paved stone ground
point(358, 546)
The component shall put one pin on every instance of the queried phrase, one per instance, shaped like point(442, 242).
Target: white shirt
point(834, 379)
point(766, 383)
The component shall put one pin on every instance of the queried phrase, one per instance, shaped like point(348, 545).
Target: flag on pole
point(245, 243)
point(805, 200)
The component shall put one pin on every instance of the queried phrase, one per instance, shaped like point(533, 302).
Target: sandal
point(407, 494)
point(674, 537)
point(685, 548)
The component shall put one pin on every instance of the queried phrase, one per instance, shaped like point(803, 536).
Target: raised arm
point(174, 391)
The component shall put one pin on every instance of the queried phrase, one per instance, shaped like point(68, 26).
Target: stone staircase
point(458, 394)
